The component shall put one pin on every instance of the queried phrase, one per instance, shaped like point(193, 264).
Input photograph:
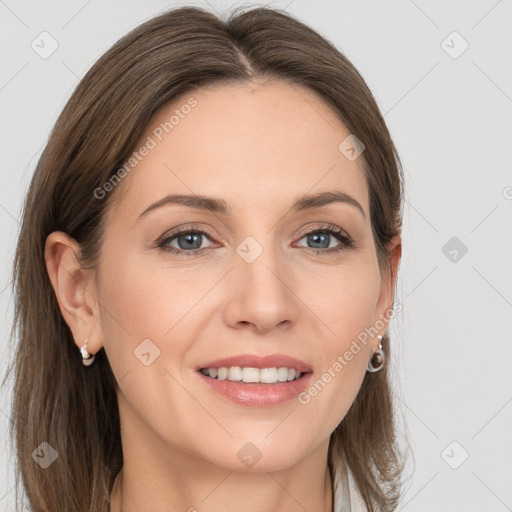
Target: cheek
point(146, 298)
point(138, 308)
point(148, 323)
point(346, 305)
point(151, 307)
point(343, 299)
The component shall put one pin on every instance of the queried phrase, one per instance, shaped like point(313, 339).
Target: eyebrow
point(218, 205)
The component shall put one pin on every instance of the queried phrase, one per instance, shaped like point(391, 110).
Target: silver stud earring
point(378, 357)
point(87, 358)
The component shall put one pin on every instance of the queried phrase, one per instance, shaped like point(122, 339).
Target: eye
point(322, 237)
point(188, 240)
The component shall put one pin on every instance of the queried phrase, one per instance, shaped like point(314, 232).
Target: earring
point(379, 357)
point(87, 358)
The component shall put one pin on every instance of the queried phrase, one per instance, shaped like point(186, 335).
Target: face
point(181, 286)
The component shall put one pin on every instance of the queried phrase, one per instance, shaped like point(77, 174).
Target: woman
point(213, 230)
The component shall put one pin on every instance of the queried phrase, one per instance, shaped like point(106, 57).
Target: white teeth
point(235, 373)
point(249, 374)
point(268, 375)
point(282, 374)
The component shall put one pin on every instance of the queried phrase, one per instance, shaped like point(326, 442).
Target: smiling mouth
point(250, 375)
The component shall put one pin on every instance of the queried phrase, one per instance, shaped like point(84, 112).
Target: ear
point(388, 282)
point(74, 288)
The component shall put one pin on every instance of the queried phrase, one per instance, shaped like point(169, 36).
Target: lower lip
point(256, 394)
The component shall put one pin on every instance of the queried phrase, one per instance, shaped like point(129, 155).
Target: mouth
point(252, 375)
point(252, 380)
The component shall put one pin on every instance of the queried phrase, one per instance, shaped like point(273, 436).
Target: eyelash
point(339, 234)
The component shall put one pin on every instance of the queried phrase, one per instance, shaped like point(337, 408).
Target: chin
point(267, 464)
point(258, 456)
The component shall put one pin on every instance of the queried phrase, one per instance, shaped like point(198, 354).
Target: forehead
point(246, 143)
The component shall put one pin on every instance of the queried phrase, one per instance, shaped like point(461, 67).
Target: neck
point(265, 487)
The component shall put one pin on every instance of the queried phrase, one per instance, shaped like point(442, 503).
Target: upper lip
point(255, 361)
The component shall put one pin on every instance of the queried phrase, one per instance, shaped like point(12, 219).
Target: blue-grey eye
point(190, 241)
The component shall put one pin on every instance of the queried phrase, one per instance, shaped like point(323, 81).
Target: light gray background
point(451, 121)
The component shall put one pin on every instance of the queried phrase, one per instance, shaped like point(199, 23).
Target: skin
point(258, 146)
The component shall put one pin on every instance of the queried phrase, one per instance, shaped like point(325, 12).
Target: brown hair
point(74, 409)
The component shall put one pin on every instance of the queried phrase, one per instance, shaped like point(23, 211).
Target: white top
point(346, 497)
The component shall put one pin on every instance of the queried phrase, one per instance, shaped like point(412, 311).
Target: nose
point(262, 296)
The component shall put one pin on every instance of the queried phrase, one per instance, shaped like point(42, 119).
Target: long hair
point(74, 410)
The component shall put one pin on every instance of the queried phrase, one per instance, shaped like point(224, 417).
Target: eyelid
point(185, 228)
point(326, 227)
